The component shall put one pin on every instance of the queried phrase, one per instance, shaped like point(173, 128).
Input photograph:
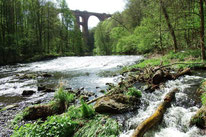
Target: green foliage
point(99, 127)
point(203, 98)
point(74, 112)
point(187, 57)
point(87, 111)
point(58, 126)
point(127, 45)
point(63, 97)
point(102, 40)
point(36, 30)
point(134, 92)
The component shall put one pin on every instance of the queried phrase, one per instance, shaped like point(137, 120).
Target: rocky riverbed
point(26, 84)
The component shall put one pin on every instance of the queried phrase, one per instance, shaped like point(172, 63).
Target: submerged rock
point(28, 92)
point(117, 103)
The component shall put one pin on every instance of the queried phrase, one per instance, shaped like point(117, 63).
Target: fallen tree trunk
point(156, 117)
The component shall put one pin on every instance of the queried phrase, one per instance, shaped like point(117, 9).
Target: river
point(92, 74)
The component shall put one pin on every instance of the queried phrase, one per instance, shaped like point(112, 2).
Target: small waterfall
point(176, 119)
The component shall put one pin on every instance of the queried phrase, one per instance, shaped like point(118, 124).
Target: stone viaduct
point(84, 15)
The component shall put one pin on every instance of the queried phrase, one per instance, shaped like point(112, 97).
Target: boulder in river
point(41, 87)
point(28, 92)
point(117, 103)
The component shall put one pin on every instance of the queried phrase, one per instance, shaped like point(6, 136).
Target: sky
point(99, 6)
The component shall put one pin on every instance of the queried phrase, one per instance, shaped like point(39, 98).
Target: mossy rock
point(199, 119)
point(117, 103)
point(41, 111)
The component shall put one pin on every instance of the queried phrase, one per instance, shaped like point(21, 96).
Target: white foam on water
point(176, 121)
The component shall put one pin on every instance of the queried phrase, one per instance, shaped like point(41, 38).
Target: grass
point(190, 56)
point(100, 126)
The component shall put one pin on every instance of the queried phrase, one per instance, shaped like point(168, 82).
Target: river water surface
point(92, 73)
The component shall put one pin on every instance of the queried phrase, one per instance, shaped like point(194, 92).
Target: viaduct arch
point(85, 17)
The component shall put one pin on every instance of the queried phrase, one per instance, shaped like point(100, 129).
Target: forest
point(34, 29)
point(153, 26)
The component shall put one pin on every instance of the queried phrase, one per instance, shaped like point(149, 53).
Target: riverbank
point(31, 59)
point(183, 59)
point(187, 62)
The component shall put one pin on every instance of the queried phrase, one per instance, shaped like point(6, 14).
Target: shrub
point(134, 92)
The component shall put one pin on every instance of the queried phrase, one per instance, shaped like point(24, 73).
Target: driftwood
point(156, 117)
point(155, 76)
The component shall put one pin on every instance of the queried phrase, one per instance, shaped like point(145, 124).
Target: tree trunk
point(156, 117)
point(169, 25)
point(202, 27)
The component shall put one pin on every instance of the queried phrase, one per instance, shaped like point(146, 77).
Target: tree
point(202, 28)
point(170, 27)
